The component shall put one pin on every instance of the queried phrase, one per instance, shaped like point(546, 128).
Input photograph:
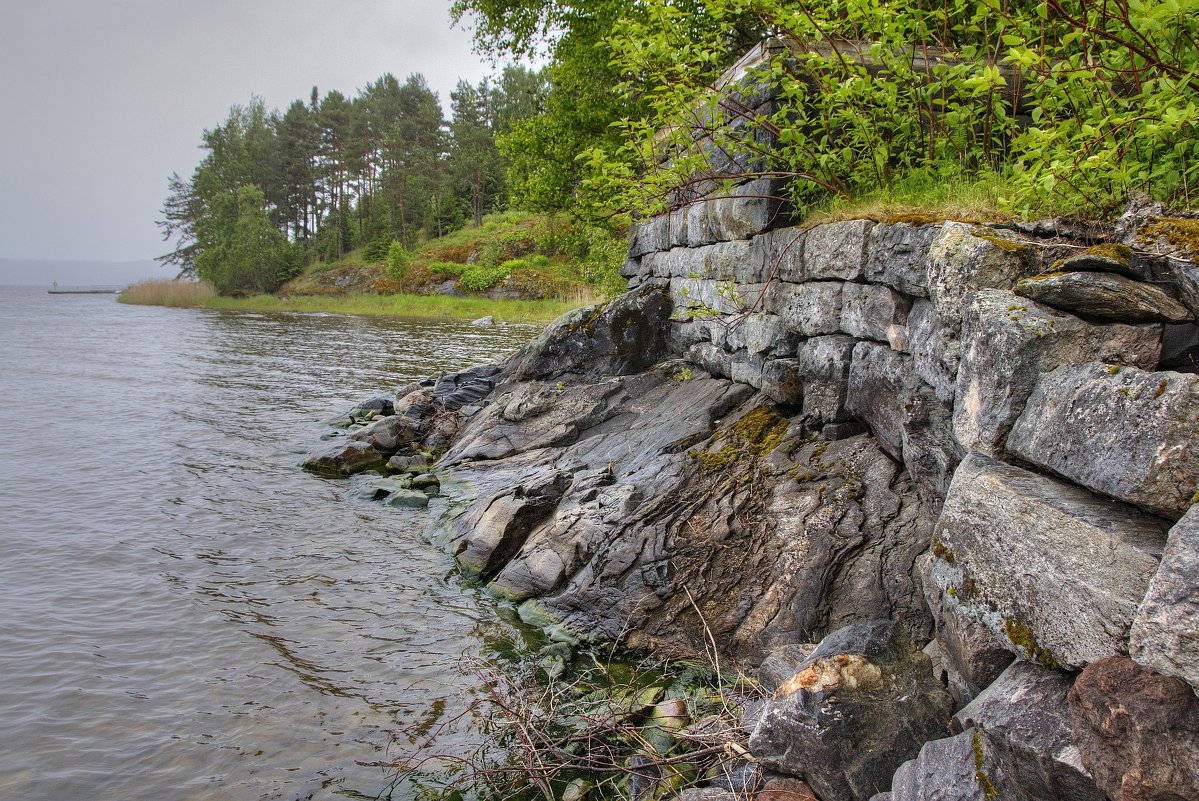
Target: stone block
point(963, 259)
point(810, 310)
point(897, 256)
point(936, 350)
point(862, 704)
point(1165, 633)
point(1137, 731)
point(782, 381)
point(1105, 296)
point(824, 364)
point(1127, 433)
point(902, 411)
point(782, 254)
point(1024, 720)
point(763, 335)
point(836, 250)
point(1009, 341)
point(1056, 571)
point(648, 236)
point(945, 770)
point(875, 312)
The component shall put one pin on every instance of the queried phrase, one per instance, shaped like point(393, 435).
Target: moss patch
point(756, 434)
point(1003, 244)
point(1181, 233)
point(1022, 637)
point(1112, 250)
point(983, 782)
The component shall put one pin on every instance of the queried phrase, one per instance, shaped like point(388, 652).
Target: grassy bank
point(194, 295)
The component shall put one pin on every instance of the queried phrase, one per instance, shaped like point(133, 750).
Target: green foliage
point(875, 92)
point(397, 261)
point(379, 249)
point(480, 277)
point(242, 250)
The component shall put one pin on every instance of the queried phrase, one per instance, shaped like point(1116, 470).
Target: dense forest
point(276, 191)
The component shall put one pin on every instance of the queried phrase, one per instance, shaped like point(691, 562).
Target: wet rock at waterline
point(345, 459)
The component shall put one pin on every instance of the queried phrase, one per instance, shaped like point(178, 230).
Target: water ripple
point(186, 615)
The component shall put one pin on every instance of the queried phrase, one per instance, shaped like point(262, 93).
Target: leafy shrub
point(1072, 104)
point(480, 277)
point(397, 262)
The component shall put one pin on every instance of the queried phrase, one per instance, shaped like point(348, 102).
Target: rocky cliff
point(983, 436)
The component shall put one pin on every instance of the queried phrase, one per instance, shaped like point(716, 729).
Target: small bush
point(378, 248)
point(397, 262)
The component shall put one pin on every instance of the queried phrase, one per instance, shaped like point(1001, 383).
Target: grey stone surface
point(762, 334)
point(782, 663)
point(1180, 348)
point(853, 714)
point(1165, 633)
point(903, 412)
point(1185, 275)
point(824, 364)
point(963, 259)
point(1124, 432)
point(782, 381)
point(648, 236)
point(875, 312)
point(1105, 296)
point(836, 250)
point(1024, 720)
point(1057, 571)
point(781, 254)
point(936, 350)
point(455, 390)
point(1009, 341)
point(1118, 259)
point(944, 770)
point(898, 256)
point(810, 309)
point(344, 458)
point(970, 655)
point(388, 434)
point(1138, 731)
point(407, 499)
point(625, 335)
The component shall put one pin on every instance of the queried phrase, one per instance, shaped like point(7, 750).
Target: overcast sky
point(103, 99)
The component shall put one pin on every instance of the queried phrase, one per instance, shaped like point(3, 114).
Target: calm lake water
point(184, 614)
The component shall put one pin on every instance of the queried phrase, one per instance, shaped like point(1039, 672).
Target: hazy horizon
point(78, 272)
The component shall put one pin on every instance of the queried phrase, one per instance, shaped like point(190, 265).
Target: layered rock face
point(962, 436)
point(782, 431)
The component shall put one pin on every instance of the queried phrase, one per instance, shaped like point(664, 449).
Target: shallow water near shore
point(185, 613)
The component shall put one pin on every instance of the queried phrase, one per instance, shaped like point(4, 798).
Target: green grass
point(427, 306)
point(924, 196)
